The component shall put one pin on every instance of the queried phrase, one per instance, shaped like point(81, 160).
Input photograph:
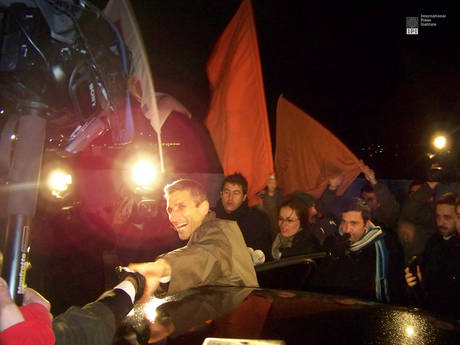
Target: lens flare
point(410, 331)
point(144, 173)
point(59, 181)
point(440, 142)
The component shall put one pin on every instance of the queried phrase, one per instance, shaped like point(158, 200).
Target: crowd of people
point(404, 253)
point(377, 248)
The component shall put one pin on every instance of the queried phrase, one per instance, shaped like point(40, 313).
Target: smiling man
point(215, 253)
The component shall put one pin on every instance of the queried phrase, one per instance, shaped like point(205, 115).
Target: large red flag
point(307, 154)
point(237, 118)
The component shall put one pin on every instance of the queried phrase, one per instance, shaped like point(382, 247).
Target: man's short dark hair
point(196, 189)
point(367, 188)
point(236, 178)
point(359, 205)
point(447, 199)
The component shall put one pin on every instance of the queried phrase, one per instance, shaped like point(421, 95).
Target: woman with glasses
point(294, 237)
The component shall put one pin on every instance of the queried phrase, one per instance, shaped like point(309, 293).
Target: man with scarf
point(254, 223)
point(365, 262)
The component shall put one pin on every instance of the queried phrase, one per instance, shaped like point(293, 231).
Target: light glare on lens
point(59, 181)
point(143, 173)
point(440, 142)
point(410, 331)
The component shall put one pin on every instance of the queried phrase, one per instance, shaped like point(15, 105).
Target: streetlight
point(440, 142)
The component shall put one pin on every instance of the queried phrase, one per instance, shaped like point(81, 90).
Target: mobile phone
point(413, 262)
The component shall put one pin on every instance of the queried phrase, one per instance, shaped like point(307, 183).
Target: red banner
point(237, 118)
point(307, 154)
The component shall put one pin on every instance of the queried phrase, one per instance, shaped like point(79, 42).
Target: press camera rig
point(63, 64)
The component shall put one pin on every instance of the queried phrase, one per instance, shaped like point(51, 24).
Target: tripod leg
point(22, 198)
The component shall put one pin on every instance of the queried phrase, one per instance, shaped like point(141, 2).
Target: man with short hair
point(438, 274)
point(215, 253)
point(369, 264)
point(233, 205)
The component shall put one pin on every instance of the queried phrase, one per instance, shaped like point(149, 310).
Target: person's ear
point(367, 223)
point(204, 207)
point(245, 196)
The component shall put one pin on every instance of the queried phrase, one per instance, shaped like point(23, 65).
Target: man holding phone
point(437, 273)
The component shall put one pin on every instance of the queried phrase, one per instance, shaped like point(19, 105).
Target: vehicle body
point(291, 317)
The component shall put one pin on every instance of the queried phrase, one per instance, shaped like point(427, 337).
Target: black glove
point(124, 272)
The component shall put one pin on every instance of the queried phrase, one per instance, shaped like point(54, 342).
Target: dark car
point(234, 315)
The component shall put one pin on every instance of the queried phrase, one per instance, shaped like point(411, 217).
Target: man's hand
point(152, 271)
point(335, 182)
point(9, 311)
point(412, 280)
point(369, 174)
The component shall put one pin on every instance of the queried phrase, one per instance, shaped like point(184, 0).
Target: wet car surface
point(295, 317)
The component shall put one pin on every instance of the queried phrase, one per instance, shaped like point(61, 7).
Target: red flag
point(237, 118)
point(307, 154)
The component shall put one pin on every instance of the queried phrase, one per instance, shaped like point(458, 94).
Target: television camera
point(63, 65)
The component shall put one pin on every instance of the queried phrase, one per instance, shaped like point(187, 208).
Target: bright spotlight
point(410, 331)
point(440, 142)
point(143, 173)
point(58, 182)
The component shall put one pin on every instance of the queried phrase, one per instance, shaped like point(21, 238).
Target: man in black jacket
point(233, 205)
point(437, 283)
point(365, 262)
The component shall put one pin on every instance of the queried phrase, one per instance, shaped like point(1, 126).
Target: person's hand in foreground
point(9, 311)
point(411, 279)
point(152, 271)
point(27, 324)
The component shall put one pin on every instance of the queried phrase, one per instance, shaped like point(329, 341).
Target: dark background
point(382, 92)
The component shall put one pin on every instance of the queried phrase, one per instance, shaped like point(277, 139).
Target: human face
point(288, 222)
point(371, 200)
point(445, 219)
point(353, 223)
point(457, 219)
point(312, 214)
point(184, 214)
point(232, 196)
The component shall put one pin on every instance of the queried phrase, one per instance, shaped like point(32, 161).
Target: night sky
point(382, 92)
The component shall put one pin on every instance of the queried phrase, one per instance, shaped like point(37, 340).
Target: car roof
point(295, 317)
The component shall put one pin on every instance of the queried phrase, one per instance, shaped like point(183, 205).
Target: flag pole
point(160, 151)
point(122, 12)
